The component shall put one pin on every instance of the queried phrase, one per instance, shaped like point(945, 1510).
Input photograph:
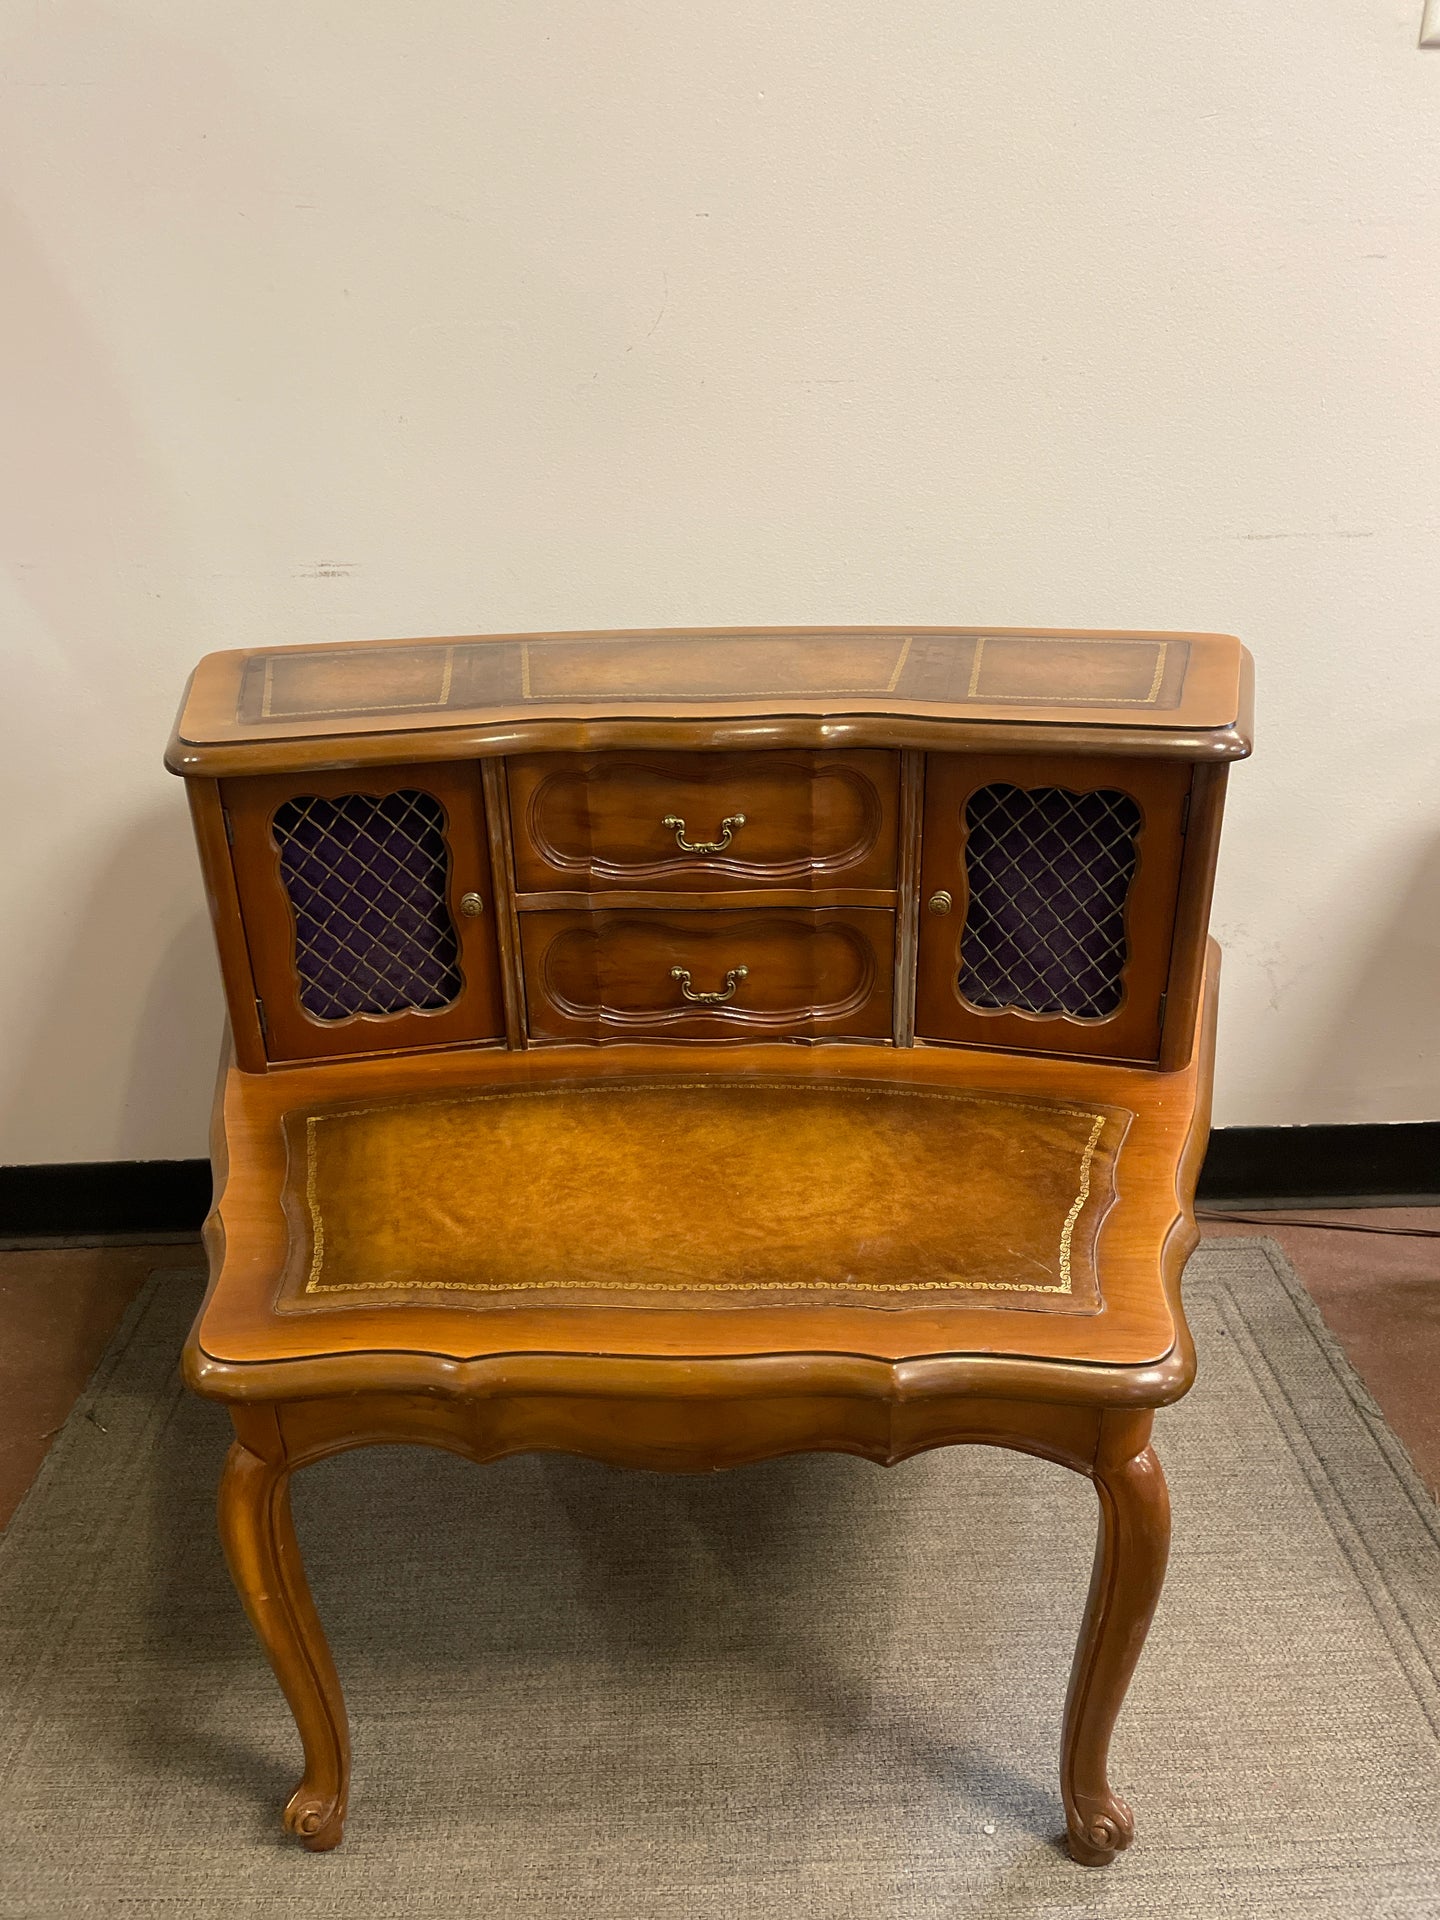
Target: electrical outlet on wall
point(1430, 25)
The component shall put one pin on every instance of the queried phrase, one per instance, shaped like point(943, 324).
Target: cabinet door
point(368, 909)
point(1047, 903)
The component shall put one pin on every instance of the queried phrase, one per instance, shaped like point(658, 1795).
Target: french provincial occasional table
point(687, 1048)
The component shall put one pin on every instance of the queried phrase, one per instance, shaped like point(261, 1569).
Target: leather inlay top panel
point(953, 669)
point(345, 704)
point(703, 1193)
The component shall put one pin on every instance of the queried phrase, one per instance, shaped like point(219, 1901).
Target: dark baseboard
point(80, 1199)
point(1370, 1166)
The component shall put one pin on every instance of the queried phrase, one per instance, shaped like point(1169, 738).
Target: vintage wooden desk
point(687, 1048)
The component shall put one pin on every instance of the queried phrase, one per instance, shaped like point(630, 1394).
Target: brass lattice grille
point(366, 874)
point(1048, 873)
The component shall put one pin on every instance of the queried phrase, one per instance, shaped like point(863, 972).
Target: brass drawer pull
point(732, 980)
point(727, 827)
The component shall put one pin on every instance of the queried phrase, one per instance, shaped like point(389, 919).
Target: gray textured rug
point(810, 1689)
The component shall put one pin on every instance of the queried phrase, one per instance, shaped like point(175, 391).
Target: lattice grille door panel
point(367, 876)
point(1048, 872)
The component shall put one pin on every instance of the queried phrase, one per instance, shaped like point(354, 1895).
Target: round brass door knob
point(940, 902)
point(471, 904)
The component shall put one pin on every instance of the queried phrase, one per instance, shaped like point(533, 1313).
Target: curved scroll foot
point(258, 1535)
point(1100, 1833)
point(318, 1823)
point(1130, 1557)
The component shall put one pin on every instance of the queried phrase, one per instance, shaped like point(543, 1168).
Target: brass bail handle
point(732, 980)
point(728, 826)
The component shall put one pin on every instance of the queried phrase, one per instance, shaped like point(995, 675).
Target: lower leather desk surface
point(471, 1215)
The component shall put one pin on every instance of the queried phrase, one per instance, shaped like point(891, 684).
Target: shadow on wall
point(133, 1013)
point(1386, 1032)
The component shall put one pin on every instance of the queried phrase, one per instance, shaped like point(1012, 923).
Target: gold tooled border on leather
point(1157, 679)
point(314, 1284)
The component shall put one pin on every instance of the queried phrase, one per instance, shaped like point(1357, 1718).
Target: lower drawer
point(790, 973)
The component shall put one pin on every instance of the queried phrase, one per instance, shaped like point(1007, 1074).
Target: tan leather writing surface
point(261, 1332)
point(715, 1190)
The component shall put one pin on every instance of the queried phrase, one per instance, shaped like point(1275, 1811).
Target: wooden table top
point(358, 703)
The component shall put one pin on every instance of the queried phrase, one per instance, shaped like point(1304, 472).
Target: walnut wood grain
point(1132, 1032)
point(605, 974)
point(795, 820)
point(907, 906)
point(1204, 813)
point(829, 821)
point(730, 899)
point(358, 703)
point(502, 872)
point(258, 1535)
point(669, 1253)
point(212, 840)
point(712, 1390)
point(292, 1033)
point(1130, 1554)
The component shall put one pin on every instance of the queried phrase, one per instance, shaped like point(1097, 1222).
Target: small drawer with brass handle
point(704, 822)
point(635, 974)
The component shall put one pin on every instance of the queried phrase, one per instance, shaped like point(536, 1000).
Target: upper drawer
point(698, 822)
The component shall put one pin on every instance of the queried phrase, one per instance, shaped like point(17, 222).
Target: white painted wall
point(324, 320)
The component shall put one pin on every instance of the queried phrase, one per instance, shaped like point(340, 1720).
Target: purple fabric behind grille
point(1048, 873)
point(367, 875)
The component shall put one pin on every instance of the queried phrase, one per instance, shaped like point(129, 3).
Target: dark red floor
point(1380, 1296)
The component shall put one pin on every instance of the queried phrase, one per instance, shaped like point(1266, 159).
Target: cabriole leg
point(258, 1535)
point(1130, 1555)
